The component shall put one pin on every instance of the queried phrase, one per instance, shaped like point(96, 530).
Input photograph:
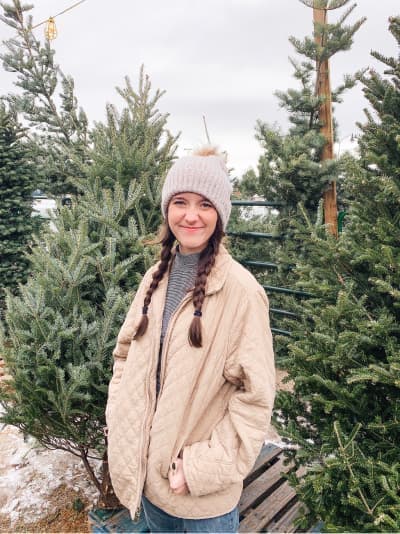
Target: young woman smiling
point(192, 219)
point(193, 383)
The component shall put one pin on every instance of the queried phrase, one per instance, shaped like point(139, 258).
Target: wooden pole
point(325, 114)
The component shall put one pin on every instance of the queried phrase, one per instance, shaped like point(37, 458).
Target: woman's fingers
point(182, 490)
point(176, 477)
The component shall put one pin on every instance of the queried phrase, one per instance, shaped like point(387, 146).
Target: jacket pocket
point(178, 453)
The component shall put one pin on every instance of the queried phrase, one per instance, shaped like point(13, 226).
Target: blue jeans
point(160, 521)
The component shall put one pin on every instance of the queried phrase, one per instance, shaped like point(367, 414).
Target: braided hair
point(206, 263)
point(167, 241)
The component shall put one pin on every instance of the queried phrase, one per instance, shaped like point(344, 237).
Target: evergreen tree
point(17, 181)
point(58, 131)
point(291, 169)
point(379, 142)
point(63, 326)
point(344, 359)
point(135, 144)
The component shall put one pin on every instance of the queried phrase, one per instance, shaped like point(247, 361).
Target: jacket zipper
point(163, 359)
point(166, 339)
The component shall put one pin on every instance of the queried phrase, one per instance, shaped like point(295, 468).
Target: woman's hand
point(176, 477)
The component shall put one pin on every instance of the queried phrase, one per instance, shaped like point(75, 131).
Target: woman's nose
point(191, 214)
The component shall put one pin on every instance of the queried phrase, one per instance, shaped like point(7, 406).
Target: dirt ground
point(48, 491)
point(63, 517)
point(41, 490)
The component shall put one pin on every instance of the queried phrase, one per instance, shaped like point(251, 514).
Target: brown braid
point(167, 240)
point(206, 263)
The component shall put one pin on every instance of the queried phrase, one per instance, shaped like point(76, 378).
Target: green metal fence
point(276, 312)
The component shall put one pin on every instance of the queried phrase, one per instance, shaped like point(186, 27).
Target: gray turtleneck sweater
point(181, 279)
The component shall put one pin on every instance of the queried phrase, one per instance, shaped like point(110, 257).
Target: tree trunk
point(108, 499)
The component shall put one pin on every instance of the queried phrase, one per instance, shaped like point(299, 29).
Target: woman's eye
point(178, 202)
point(206, 205)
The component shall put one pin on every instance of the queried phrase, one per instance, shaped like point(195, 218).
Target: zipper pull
point(137, 513)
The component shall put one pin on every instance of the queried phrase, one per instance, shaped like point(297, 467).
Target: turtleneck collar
point(186, 260)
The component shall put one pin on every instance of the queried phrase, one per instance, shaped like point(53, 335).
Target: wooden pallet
point(268, 503)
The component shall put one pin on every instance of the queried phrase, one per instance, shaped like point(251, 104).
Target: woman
point(193, 383)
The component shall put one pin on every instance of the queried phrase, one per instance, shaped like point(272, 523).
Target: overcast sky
point(220, 58)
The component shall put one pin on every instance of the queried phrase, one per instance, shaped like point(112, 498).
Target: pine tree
point(62, 327)
point(379, 142)
point(291, 169)
point(58, 131)
point(60, 330)
point(135, 144)
point(17, 182)
point(344, 359)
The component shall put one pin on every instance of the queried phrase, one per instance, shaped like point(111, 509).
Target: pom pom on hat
point(209, 150)
point(204, 173)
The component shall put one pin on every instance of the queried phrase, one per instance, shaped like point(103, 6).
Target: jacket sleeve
point(123, 344)
point(230, 453)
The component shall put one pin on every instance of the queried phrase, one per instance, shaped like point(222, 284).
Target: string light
point(50, 30)
point(58, 14)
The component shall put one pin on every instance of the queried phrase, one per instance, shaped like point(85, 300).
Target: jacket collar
point(219, 272)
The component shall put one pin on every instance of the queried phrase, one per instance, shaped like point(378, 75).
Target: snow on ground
point(30, 473)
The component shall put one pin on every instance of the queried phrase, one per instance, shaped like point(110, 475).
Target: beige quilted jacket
point(215, 402)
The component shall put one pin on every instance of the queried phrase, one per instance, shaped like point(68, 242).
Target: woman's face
point(192, 219)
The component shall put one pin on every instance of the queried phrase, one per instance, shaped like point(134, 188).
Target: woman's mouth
point(191, 229)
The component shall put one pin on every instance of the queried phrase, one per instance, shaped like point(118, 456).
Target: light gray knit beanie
point(204, 173)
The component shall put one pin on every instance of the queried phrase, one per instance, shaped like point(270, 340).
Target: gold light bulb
point(50, 31)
